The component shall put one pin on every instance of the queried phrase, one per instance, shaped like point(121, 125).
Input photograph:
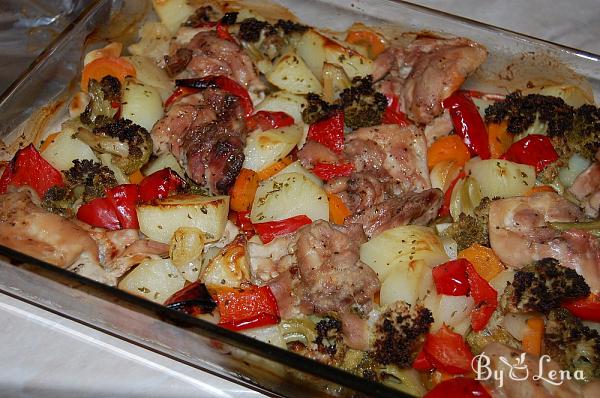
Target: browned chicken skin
point(586, 188)
point(426, 72)
point(92, 252)
point(28, 228)
point(332, 276)
point(390, 160)
point(520, 234)
point(206, 133)
point(207, 54)
point(412, 208)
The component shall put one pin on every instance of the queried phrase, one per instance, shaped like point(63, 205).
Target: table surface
point(44, 355)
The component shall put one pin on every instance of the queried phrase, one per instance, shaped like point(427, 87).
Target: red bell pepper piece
point(451, 279)
point(99, 213)
point(28, 167)
point(246, 308)
point(458, 387)
point(422, 363)
point(535, 150)
point(393, 114)
point(485, 297)
point(223, 32)
point(179, 93)
point(244, 224)
point(124, 198)
point(266, 120)
point(159, 185)
point(194, 299)
point(587, 308)
point(445, 208)
point(327, 171)
point(271, 230)
point(192, 86)
point(233, 87)
point(448, 352)
point(468, 123)
point(329, 132)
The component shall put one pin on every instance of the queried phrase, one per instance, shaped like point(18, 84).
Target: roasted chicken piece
point(586, 188)
point(412, 208)
point(207, 54)
point(520, 234)
point(390, 160)
point(91, 252)
point(426, 72)
point(206, 134)
point(332, 276)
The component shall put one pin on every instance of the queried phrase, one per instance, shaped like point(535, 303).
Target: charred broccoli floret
point(317, 109)
point(363, 106)
point(572, 130)
point(328, 335)
point(400, 331)
point(251, 28)
point(584, 137)
point(89, 177)
point(59, 200)
point(468, 229)
point(521, 111)
point(129, 144)
point(289, 27)
point(542, 286)
point(573, 345)
point(103, 96)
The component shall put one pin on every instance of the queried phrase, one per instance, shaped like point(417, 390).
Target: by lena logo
point(516, 369)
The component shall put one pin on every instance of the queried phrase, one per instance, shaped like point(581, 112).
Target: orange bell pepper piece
point(541, 188)
point(106, 66)
point(532, 338)
point(374, 42)
point(274, 168)
point(136, 177)
point(500, 139)
point(486, 262)
point(449, 148)
point(243, 191)
point(337, 209)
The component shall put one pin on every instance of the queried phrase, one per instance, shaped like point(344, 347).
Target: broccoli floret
point(251, 28)
point(105, 98)
point(289, 27)
point(328, 335)
point(229, 18)
point(542, 286)
point(572, 130)
point(129, 144)
point(573, 345)
point(468, 229)
point(584, 137)
point(317, 109)
point(521, 111)
point(91, 177)
point(363, 106)
point(59, 200)
point(400, 331)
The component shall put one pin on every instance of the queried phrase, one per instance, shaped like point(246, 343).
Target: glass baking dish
point(514, 61)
